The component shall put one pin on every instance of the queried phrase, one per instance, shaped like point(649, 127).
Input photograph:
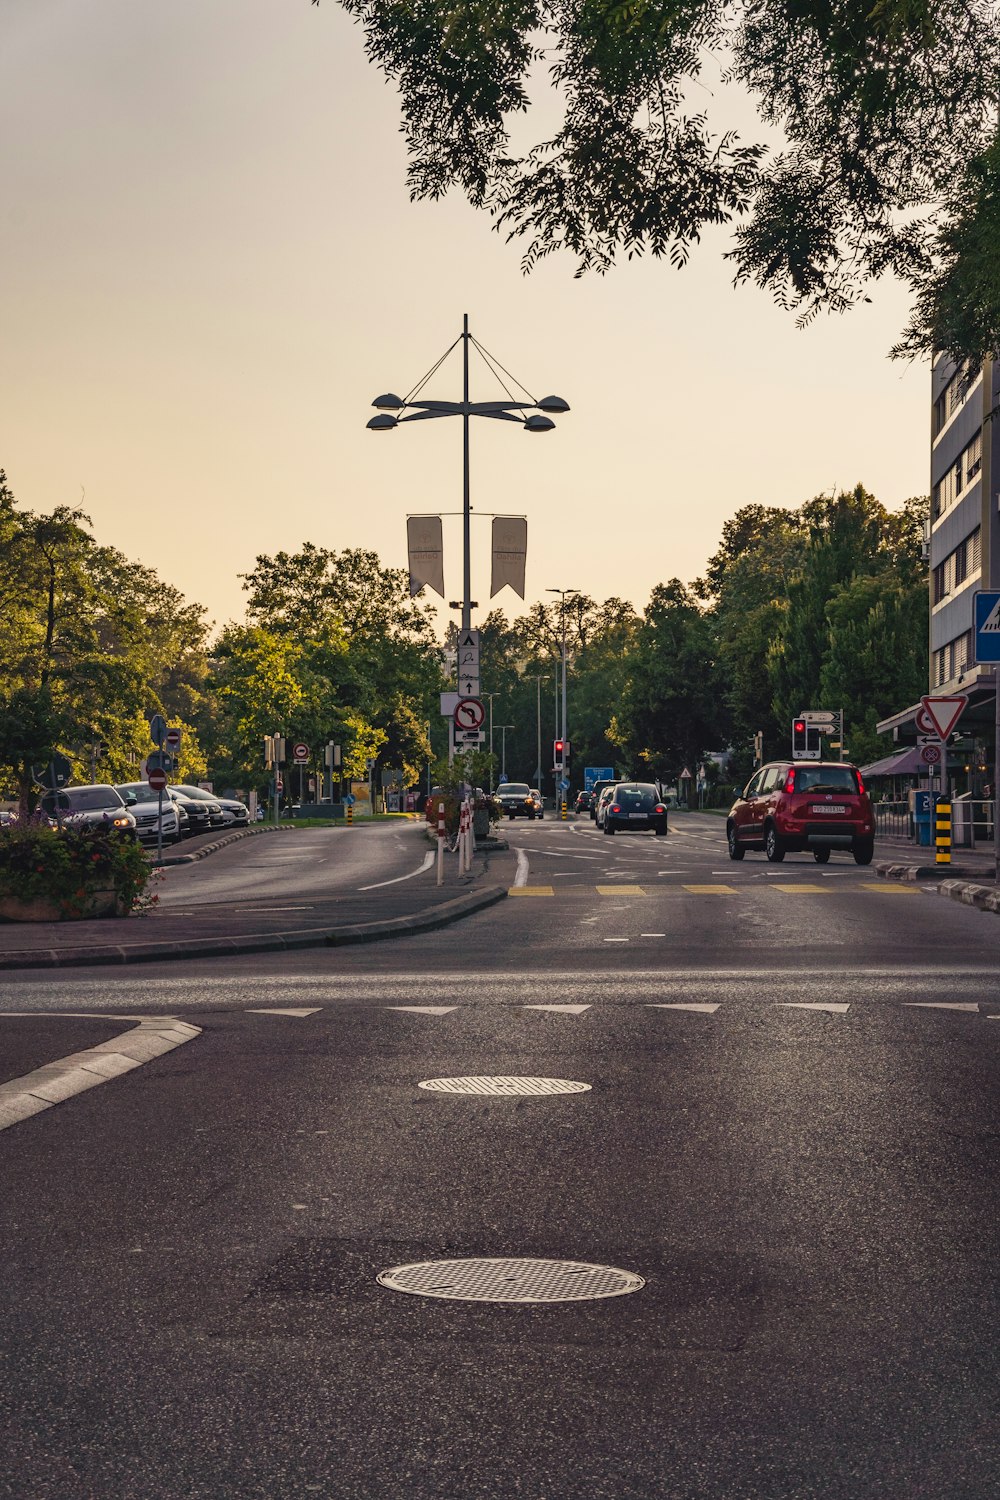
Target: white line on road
point(428, 861)
point(521, 873)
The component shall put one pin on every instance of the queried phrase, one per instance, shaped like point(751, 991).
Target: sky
point(210, 266)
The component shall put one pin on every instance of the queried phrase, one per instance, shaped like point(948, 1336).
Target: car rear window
point(637, 797)
point(827, 779)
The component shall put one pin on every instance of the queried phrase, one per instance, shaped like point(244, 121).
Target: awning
point(903, 763)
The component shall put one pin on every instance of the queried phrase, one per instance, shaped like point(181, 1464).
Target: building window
point(976, 551)
point(973, 458)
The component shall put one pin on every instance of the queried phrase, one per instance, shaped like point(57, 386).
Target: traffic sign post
point(986, 615)
point(158, 780)
point(470, 713)
point(172, 738)
point(158, 729)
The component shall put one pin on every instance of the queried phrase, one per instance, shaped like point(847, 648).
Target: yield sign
point(944, 713)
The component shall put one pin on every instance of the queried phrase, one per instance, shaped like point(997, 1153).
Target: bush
point(67, 866)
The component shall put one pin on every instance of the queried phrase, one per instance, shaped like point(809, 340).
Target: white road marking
point(521, 873)
point(573, 1010)
point(839, 1010)
point(428, 861)
point(290, 1011)
point(652, 934)
point(707, 1010)
point(940, 1005)
point(616, 940)
point(423, 1010)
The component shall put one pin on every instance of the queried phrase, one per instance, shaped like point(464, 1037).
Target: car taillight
point(659, 809)
point(790, 782)
point(616, 808)
point(861, 785)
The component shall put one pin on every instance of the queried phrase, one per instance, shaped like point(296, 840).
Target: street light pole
point(491, 696)
point(466, 506)
point(503, 750)
point(562, 610)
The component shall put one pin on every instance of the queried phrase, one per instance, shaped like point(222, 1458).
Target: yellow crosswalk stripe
point(802, 890)
point(890, 890)
point(531, 890)
point(620, 890)
point(712, 890)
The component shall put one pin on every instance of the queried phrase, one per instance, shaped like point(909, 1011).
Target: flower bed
point(52, 875)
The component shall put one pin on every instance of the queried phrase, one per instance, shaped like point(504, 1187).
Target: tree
point(880, 110)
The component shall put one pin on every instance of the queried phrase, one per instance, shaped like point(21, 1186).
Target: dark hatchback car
point(595, 796)
point(635, 806)
point(583, 801)
point(95, 806)
point(204, 813)
point(789, 806)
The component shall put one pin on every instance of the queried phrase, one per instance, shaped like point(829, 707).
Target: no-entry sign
point(157, 780)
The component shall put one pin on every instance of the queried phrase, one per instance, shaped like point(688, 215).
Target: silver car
point(144, 805)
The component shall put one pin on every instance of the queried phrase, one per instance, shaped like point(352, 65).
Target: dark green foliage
point(67, 866)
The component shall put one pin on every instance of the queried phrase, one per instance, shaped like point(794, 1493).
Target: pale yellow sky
point(209, 267)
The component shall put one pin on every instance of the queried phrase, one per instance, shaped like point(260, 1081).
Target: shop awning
point(903, 763)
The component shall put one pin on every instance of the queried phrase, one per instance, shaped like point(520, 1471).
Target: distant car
point(803, 805)
point(89, 806)
point(539, 804)
point(599, 806)
point(632, 807)
point(202, 809)
point(595, 795)
point(144, 805)
point(235, 813)
point(7, 817)
point(583, 802)
point(516, 801)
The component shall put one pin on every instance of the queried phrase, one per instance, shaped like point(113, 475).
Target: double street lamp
point(533, 416)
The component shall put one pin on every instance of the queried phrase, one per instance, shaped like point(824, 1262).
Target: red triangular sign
point(945, 712)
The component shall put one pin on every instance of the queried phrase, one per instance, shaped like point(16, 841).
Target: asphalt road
point(790, 1135)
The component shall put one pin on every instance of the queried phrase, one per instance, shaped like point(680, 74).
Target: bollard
point(440, 849)
point(942, 836)
point(564, 812)
point(349, 814)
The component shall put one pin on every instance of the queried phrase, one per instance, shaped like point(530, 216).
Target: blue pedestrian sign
point(564, 785)
point(987, 625)
point(503, 778)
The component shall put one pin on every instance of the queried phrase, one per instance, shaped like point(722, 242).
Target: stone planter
point(103, 903)
point(481, 822)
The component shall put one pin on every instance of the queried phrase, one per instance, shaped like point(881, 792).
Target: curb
point(968, 892)
point(275, 942)
point(21, 1098)
point(928, 872)
point(220, 843)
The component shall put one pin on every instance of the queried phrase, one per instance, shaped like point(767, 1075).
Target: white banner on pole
point(510, 547)
point(426, 557)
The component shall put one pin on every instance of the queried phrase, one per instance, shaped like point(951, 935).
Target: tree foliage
point(879, 111)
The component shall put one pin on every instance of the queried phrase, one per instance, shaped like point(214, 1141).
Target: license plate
point(829, 807)
point(637, 815)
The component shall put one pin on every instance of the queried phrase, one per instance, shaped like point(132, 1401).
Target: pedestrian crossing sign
point(987, 625)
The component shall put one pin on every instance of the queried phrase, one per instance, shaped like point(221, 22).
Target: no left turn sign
point(469, 713)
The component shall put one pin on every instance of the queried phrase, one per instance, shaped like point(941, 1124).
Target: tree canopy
point(884, 117)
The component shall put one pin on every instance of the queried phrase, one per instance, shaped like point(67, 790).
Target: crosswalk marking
point(532, 890)
point(707, 1010)
point(884, 887)
point(711, 890)
point(424, 1010)
point(941, 1005)
point(839, 1010)
point(290, 1011)
point(803, 890)
point(620, 890)
point(573, 1010)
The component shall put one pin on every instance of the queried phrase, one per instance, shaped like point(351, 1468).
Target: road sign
point(157, 779)
point(469, 713)
point(685, 775)
point(820, 716)
point(159, 760)
point(564, 785)
point(468, 640)
point(468, 685)
point(172, 738)
point(158, 729)
point(503, 779)
point(930, 755)
point(300, 753)
point(469, 737)
point(986, 607)
point(55, 774)
point(593, 774)
point(943, 713)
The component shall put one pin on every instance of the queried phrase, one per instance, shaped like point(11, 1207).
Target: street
point(787, 1142)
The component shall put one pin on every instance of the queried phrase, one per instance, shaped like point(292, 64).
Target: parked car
point(516, 800)
point(88, 806)
point(794, 805)
point(235, 813)
point(583, 802)
point(144, 805)
point(202, 809)
point(8, 817)
point(536, 797)
point(634, 806)
point(596, 790)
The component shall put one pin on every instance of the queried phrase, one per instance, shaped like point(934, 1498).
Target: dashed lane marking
point(839, 1010)
point(706, 1010)
point(620, 890)
point(711, 890)
point(802, 890)
point(290, 1011)
point(942, 1005)
point(652, 934)
point(531, 890)
point(424, 1010)
point(616, 940)
point(571, 1010)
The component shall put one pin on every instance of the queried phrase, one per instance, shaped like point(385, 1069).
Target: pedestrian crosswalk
point(745, 887)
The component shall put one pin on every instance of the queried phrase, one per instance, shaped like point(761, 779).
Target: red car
point(793, 805)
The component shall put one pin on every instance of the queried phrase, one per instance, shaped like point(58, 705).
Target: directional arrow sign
point(820, 716)
point(943, 713)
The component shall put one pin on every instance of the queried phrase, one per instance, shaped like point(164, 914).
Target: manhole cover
point(484, 1084)
point(510, 1280)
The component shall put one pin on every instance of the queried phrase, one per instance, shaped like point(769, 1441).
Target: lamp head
point(553, 403)
point(382, 423)
point(538, 423)
point(388, 402)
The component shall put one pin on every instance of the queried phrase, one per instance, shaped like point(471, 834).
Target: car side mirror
point(130, 799)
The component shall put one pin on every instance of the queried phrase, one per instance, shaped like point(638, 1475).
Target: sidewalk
point(415, 905)
point(976, 863)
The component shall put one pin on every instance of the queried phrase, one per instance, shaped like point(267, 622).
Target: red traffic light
point(799, 726)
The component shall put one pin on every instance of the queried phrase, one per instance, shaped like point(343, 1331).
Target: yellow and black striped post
point(942, 836)
point(564, 809)
point(349, 813)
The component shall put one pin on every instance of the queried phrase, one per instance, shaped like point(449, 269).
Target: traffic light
point(558, 753)
point(798, 738)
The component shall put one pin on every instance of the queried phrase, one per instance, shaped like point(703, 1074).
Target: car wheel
point(864, 850)
point(773, 847)
point(736, 849)
point(821, 856)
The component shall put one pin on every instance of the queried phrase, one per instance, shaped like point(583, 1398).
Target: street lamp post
point(500, 411)
point(491, 696)
point(562, 611)
point(503, 747)
point(539, 679)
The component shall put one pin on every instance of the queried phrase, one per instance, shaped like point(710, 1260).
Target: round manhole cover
point(485, 1084)
point(510, 1280)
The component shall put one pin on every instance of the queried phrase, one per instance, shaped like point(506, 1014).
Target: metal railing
point(972, 821)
